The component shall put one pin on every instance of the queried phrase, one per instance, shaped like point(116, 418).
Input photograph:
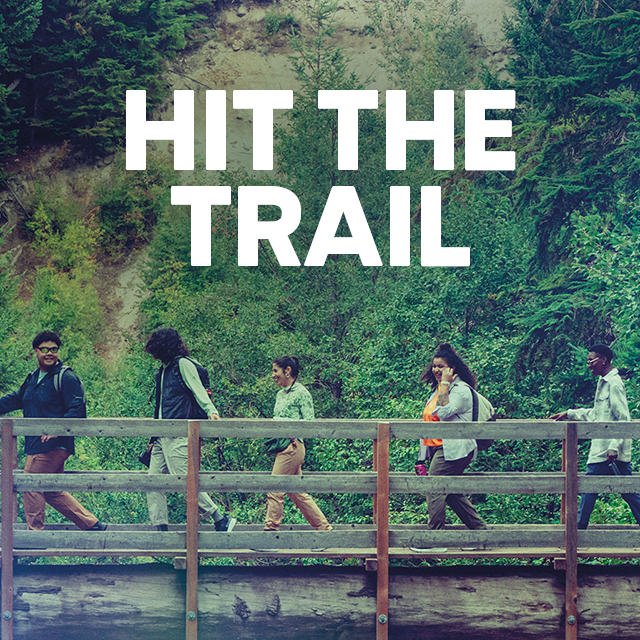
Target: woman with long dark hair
point(293, 402)
point(451, 401)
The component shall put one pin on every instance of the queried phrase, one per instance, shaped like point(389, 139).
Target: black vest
point(178, 401)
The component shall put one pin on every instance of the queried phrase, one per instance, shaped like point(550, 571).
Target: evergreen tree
point(18, 22)
point(82, 58)
point(577, 80)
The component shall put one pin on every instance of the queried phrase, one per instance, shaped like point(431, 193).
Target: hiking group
point(53, 390)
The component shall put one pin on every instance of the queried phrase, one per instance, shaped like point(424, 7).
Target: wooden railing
point(377, 541)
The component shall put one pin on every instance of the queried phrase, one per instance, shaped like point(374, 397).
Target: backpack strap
point(57, 378)
point(183, 384)
point(474, 400)
point(475, 410)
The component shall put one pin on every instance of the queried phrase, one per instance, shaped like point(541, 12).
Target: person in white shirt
point(606, 456)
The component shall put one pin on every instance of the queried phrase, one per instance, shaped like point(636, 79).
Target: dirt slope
point(236, 54)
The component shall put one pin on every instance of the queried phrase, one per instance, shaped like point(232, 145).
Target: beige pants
point(289, 463)
point(170, 455)
point(65, 503)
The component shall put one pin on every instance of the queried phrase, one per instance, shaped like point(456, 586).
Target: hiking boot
point(226, 524)
point(98, 526)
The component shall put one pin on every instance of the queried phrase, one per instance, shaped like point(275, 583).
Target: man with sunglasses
point(50, 391)
point(606, 456)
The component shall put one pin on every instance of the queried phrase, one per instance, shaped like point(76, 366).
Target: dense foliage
point(554, 245)
point(67, 64)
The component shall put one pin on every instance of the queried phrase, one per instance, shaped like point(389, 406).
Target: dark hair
point(166, 344)
point(289, 361)
point(602, 350)
point(46, 336)
point(448, 353)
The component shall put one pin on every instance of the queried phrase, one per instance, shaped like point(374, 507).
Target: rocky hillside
point(244, 46)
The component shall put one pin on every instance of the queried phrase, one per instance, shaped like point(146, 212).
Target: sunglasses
point(46, 350)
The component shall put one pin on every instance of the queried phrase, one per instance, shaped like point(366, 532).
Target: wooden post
point(571, 533)
point(375, 468)
point(563, 497)
point(382, 600)
point(8, 513)
point(193, 517)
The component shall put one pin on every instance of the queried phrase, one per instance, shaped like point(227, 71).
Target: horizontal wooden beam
point(492, 538)
point(100, 427)
point(481, 539)
point(322, 482)
point(222, 481)
point(223, 428)
point(592, 538)
point(323, 429)
point(470, 483)
point(171, 540)
point(609, 484)
point(96, 481)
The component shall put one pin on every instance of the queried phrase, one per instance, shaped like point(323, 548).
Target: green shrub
point(273, 22)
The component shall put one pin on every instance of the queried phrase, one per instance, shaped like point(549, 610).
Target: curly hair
point(166, 344)
point(46, 336)
point(448, 353)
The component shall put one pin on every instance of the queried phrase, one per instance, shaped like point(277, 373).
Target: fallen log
point(147, 602)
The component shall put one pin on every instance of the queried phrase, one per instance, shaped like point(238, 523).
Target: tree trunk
point(145, 602)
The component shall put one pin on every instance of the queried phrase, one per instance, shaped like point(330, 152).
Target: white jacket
point(458, 409)
point(610, 405)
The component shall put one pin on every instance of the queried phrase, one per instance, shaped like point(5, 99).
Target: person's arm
point(620, 412)
point(459, 401)
point(191, 378)
point(618, 403)
point(72, 395)
point(581, 415)
point(306, 406)
point(11, 402)
point(14, 400)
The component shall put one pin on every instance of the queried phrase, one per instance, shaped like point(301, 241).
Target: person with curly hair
point(451, 401)
point(179, 395)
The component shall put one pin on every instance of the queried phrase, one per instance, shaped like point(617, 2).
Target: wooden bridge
point(375, 543)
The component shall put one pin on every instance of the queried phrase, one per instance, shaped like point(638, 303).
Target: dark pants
point(461, 505)
point(588, 500)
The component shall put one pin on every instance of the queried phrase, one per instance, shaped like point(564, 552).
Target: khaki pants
point(460, 505)
point(169, 455)
point(65, 503)
point(289, 463)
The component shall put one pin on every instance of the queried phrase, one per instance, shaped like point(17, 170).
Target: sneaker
point(226, 524)
point(162, 527)
point(98, 526)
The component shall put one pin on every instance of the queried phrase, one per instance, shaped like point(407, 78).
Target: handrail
point(379, 536)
